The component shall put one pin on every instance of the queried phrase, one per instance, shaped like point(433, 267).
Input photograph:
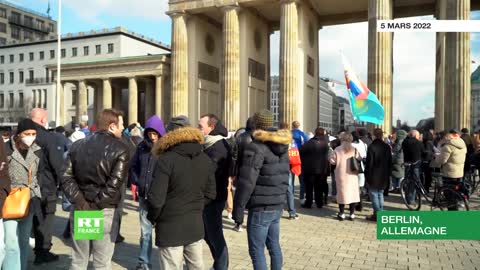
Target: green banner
point(88, 225)
point(460, 225)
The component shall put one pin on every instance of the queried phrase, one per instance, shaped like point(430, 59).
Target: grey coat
point(398, 169)
point(18, 168)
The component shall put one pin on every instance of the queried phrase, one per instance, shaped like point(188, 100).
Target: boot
point(44, 256)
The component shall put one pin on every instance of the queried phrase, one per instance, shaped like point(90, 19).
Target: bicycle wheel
point(411, 195)
point(451, 200)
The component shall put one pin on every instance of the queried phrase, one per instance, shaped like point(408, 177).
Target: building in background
point(345, 113)
point(335, 116)
point(475, 103)
point(274, 86)
point(399, 124)
point(327, 114)
point(19, 24)
point(328, 109)
point(27, 80)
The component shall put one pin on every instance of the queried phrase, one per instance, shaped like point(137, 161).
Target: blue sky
point(414, 53)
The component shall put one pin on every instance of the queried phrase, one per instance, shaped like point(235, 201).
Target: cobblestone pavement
point(316, 241)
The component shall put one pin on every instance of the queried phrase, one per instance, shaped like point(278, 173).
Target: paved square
point(316, 241)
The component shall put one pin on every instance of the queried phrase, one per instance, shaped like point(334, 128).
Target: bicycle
point(470, 180)
point(445, 197)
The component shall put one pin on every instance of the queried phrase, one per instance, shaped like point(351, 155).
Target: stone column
point(61, 104)
point(289, 110)
point(98, 99)
point(380, 60)
point(82, 104)
point(117, 97)
point(231, 67)
point(457, 69)
point(158, 96)
point(132, 101)
point(440, 14)
point(149, 99)
point(107, 94)
point(179, 64)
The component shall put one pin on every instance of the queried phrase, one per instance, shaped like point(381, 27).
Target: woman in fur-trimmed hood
point(183, 180)
point(262, 189)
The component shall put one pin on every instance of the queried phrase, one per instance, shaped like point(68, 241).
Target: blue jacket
point(143, 161)
point(299, 137)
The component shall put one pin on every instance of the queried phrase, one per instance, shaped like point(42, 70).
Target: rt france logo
point(88, 225)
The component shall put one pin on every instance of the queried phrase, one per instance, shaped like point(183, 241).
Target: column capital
point(106, 79)
point(235, 7)
point(175, 14)
point(284, 2)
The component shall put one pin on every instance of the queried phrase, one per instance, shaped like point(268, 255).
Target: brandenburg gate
point(220, 58)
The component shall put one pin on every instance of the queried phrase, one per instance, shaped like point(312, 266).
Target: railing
point(32, 26)
point(38, 81)
point(25, 9)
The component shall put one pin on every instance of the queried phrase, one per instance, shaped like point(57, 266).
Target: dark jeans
point(212, 219)
point(291, 195)
point(43, 224)
point(334, 183)
point(316, 183)
point(408, 175)
point(263, 228)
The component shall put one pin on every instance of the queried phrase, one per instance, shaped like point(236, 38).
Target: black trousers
point(315, 185)
point(43, 224)
point(119, 210)
point(427, 175)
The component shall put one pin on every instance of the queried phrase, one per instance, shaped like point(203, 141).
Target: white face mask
point(6, 140)
point(28, 140)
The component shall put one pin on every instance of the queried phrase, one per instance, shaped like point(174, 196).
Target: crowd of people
point(184, 176)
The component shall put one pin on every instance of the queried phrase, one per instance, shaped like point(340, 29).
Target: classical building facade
point(22, 24)
point(137, 85)
point(229, 40)
point(27, 80)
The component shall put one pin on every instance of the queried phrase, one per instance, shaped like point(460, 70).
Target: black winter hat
point(178, 122)
point(25, 124)
point(454, 131)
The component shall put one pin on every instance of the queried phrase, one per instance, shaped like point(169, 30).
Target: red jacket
point(295, 162)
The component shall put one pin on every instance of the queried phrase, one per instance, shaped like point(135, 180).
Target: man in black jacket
point(262, 187)
point(49, 179)
point(378, 170)
point(364, 136)
point(218, 149)
point(177, 196)
point(413, 149)
point(316, 167)
point(238, 148)
point(95, 174)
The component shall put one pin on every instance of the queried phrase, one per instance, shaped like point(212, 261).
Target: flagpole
point(59, 46)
